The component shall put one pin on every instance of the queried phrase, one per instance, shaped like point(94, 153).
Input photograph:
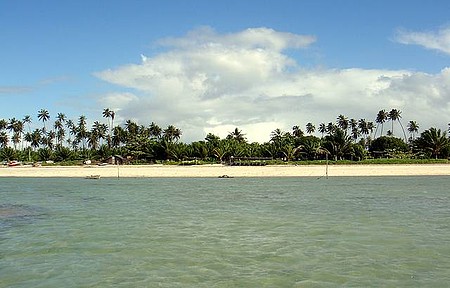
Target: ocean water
point(240, 232)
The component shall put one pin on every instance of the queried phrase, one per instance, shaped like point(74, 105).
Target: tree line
point(64, 140)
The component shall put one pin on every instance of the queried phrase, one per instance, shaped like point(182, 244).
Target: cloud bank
point(208, 82)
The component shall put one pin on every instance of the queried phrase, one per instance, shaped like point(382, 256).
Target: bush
point(388, 145)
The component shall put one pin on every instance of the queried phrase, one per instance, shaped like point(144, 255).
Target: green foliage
point(339, 144)
point(309, 148)
point(8, 154)
point(387, 144)
point(433, 142)
point(62, 154)
point(45, 154)
point(346, 139)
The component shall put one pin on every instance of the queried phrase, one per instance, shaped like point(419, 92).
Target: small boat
point(13, 163)
point(93, 177)
point(225, 176)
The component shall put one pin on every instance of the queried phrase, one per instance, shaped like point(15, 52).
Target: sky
point(211, 66)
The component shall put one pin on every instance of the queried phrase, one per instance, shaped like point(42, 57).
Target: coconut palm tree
point(108, 113)
point(61, 117)
point(353, 124)
point(338, 144)
point(81, 131)
point(16, 128)
point(322, 128)
point(27, 120)
point(171, 133)
point(119, 136)
point(395, 115)
point(72, 129)
point(276, 136)
point(342, 122)
point(132, 128)
point(434, 141)
point(34, 138)
point(155, 130)
point(4, 139)
point(97, 133)
point(381, 118)
point(44, 116)
point(4, 135)
point(310, 147)
point(413, 128)
point(363, 127)
point(49, 138)
point(297, 132)
point(60, 132)
point(310, 128)
point(330, 128)
point(370, 126)
point(237, 135)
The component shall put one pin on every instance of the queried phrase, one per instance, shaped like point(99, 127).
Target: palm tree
point(382, 116)
point(413, 128)
point(155, 130)
point(434, 140)
point(297, 132)
point(27, 120)
point(61, 117)
point(353, 123)
point(3, 124)
point(171, 133)
point(119, 136)
point(44, 116)
point(370, 126)
point(338, 144)
point(51, 135)
point(60, 132)
point(342, 122)
point(330, 128)
point(363, 127)
point(98, 132)
point(4, 139)
point(34, 138)
point(310, 128)
point(81, 131)
point(395, 115)
point(310, 147)
point(16, 127)
point(237, 135)
point(276, 135)
point(322, 128)
point(108, 113)
point(280, 139)
point(72, 128)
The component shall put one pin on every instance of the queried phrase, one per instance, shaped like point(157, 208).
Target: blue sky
point(210, 66)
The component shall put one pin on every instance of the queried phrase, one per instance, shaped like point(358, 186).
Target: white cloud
point(14, 90)
point(439, 40)
point(207, 82)
point(251, 38)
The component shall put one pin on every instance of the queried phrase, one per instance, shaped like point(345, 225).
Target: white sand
point(234, 171)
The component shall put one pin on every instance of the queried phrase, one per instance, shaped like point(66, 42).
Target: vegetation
point(345, 140)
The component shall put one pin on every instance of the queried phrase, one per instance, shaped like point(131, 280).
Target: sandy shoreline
point(234, 171)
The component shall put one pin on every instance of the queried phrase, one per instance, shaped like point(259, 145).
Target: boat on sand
point(92, 177)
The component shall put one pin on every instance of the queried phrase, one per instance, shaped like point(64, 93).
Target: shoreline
point(216, 170)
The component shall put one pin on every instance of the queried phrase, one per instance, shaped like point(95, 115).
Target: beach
point(216, 170)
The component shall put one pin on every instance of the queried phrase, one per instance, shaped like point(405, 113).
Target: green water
point(240, 232)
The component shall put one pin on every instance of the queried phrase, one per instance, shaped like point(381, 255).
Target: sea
point(229, 232)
